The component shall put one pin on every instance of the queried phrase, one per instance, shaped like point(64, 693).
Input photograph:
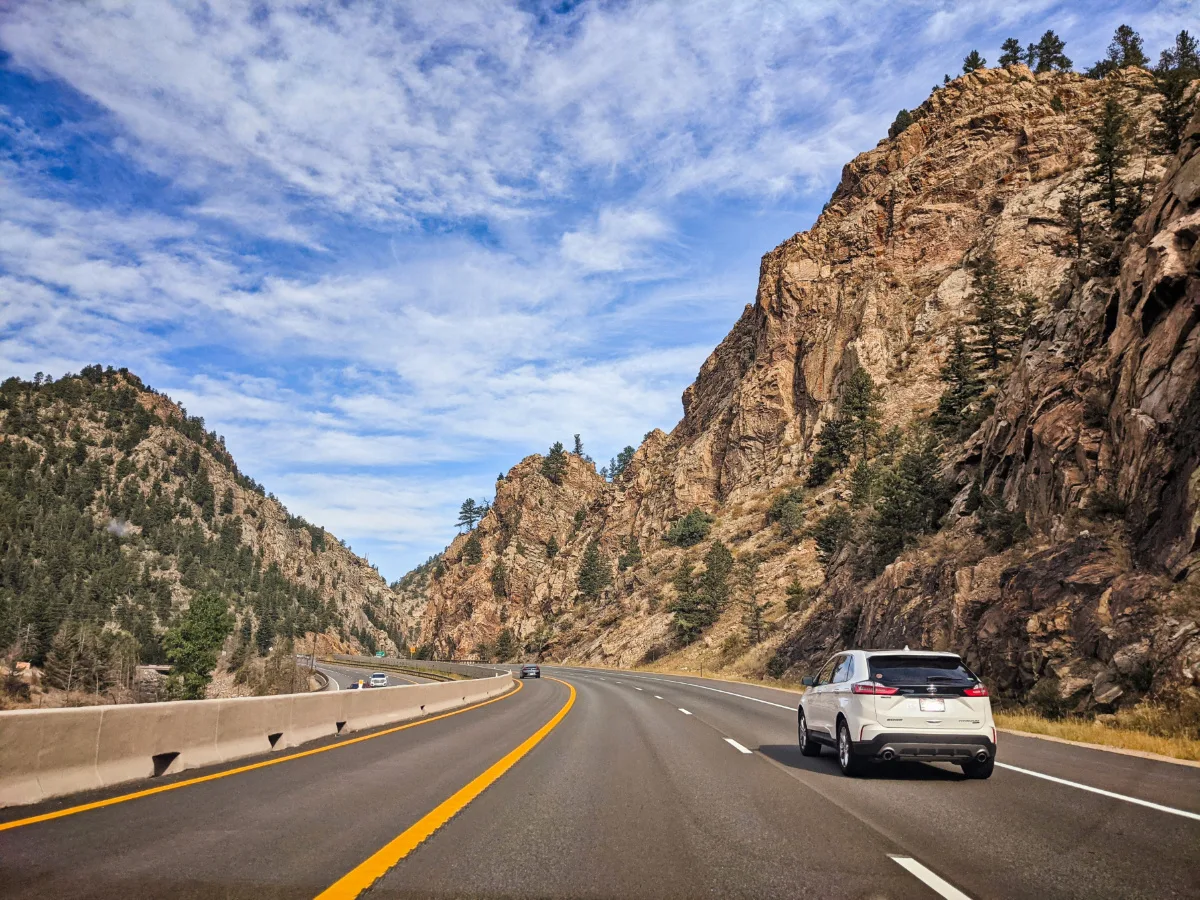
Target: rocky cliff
point(116, 507)
point(1085, 450)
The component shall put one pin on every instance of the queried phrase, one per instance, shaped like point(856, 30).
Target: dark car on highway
point(531, 672)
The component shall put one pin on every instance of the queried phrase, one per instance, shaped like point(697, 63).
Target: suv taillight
point(975, 690)
point(870, 687)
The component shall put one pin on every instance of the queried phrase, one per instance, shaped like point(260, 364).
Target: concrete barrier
point(47, 753)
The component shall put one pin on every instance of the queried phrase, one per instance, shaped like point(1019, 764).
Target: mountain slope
point(1050, 534)
point(116, 508)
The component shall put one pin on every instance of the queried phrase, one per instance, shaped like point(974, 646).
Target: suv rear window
point(920, 670)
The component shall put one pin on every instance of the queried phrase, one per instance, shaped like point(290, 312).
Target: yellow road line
point(377, 865)
point(112, 801)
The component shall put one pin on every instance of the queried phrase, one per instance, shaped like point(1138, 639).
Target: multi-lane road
point(610, 784)
point(341, 677)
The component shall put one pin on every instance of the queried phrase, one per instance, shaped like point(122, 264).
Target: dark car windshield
point(910, 669)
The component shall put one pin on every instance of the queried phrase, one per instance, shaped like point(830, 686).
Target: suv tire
point(808, 744)
point(979, 769)
point(850, 764)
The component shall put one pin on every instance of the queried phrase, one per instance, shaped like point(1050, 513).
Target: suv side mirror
point(807, 681)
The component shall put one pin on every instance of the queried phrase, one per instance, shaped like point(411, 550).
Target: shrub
point(831, 532)
point(473, 551)
point(690, 530)
point(797, 596)
point(1046, 699)
point(777, 665)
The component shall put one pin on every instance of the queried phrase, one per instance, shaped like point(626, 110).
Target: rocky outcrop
point(1092, 436)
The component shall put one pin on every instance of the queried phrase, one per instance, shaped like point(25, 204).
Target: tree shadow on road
point(826, 764)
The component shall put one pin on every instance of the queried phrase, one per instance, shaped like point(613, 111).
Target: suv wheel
point(808, 746)
point(979, 769)
point(847, 761)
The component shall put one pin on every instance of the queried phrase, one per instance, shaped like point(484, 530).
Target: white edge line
point(704, 687)
point(736, 745)
point(684, 711)
point(1103, 793)
point(931, 879)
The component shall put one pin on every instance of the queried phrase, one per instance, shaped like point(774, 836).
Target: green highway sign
point(380, 653)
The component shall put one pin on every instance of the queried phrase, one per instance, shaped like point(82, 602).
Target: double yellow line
point(377, 864)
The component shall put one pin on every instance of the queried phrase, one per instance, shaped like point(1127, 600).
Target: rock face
point(1093, 434)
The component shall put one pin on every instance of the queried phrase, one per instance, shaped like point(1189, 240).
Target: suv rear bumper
point(927, 746)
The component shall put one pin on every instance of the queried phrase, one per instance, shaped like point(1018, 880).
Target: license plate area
point(933, 704)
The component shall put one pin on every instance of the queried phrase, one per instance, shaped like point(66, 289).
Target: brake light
point(976, 690)
point(870, 687)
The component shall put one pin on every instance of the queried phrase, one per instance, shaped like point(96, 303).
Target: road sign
point(380, 653)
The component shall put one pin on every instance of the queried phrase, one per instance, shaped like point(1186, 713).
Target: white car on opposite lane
point(883, 705)
point(379, 679)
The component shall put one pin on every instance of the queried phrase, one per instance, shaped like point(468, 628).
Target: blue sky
point(389, 249)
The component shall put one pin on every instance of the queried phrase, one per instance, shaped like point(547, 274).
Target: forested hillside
point(117, 508)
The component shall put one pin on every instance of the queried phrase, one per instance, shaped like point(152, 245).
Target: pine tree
point(192, 646)
point(860, 408)
point(1010, 54)
point(76, 661)
point(473, 550)
point(862, 484)
point(632, 555)
point(594, 572)
point(833, 452)
point(955, 412)
point(552, 547)
point(714, 583)
point(468, 514)
point(973, 61)
point(506, 645)
point(1126, 48)
point(554, 466)
point(499, 579)
point(992, 298)
point(912, 502)
point(831, 532)
point(1050, 54)
point(578, 447)
point(1177, 67)
point(900, 123)
point(1071, 208)
point(1110, 154)
point(227, 502)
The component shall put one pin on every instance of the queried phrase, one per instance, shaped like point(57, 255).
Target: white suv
point(882, 705)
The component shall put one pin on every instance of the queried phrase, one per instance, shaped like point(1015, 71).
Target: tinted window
point(844, 670)
point(919, 670)
point(825, 673)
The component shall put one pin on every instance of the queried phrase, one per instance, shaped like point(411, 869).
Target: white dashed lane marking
point(684, 711)
point(931, 879)
point(736, 746)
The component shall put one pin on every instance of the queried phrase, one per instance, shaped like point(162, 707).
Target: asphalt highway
point(344, 676)
point(609, 784)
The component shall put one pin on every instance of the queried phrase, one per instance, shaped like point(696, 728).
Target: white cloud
point(551, 184)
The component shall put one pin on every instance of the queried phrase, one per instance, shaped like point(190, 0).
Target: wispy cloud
point(389, 249)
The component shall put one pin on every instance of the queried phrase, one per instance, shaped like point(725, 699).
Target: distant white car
point(883, 705)
point(379, 679)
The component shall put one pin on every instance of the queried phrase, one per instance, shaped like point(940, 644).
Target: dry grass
point(1090, 731)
